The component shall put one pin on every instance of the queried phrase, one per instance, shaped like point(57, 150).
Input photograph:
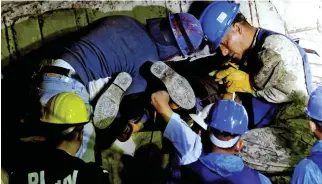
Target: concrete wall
point(28, 25)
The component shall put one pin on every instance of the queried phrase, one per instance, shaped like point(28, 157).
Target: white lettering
point(75, 176)
point(69, 180)
point(33, 178)
point(42, 177)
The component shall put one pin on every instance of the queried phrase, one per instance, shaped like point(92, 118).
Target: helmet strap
point(224, 144)
point(68, 130)
point(183, 32)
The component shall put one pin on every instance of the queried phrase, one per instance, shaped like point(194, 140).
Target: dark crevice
point(257, 14)
point(41, 24)
point(7, 38)
point(87, 17)
point(251, 12)
point(284, 23)
point(15, 40)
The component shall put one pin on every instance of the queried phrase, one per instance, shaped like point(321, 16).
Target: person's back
point(219, 168)
point(226, 121)
point(116, 44)
point(56, 166)
point(63, 119)
point(309, 170)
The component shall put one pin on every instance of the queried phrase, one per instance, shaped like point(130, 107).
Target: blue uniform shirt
point(187, 143)
point(307, 171)
point(117, 44)
point(189, 148)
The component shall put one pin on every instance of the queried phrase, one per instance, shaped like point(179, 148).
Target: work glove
point(225, 65)
point(235, 80)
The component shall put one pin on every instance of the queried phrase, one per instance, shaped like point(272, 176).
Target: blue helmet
point(314, 107)
point(229, 116)
point(216, 19)
point(187, 31)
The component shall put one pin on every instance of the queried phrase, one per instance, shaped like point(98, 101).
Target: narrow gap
point(87, 17)
point(7, 37)
point(14, 36)
point(284, 23)
point(257, 14)
point(251, 12)
point(41, 24)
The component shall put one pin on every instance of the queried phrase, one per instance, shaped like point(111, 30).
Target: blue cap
point(216, 19)
point(314, 107)
point(229, 116)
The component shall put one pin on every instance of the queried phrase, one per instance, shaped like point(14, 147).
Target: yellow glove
point(224, 73)
point(213, 73)
point(231, 65)
point(238, 81)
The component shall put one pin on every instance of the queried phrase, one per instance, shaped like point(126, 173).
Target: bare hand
point(160, 101)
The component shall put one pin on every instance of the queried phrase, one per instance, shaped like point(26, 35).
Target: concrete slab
point(8, 49)
point(245, 9)
point(27, 35)
point(57, 23)
point(81, 17)
point(141, 13)
point(184, 6)
point(172, 6)
point(4, 49)
point(269, 18)
point(302, 14)
point(253, 12)
point(97, 14)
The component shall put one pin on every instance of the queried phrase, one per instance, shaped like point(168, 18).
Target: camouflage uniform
point(279, 78)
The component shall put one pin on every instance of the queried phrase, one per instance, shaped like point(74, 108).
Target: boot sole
point(178, 87)
point(107, 105)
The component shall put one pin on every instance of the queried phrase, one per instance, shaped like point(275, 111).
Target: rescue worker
point(273, 79)
point(122, 44)
point(226, 122)
point(64, 117)
point(309, 170)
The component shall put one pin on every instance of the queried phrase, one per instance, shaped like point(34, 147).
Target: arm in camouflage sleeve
point(282, 73)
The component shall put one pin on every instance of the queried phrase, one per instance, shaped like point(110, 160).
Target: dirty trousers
point(280, 147)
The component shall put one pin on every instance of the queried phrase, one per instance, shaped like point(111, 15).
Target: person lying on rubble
point(309, 170)
point(273, 80)
point(121, 44)
point(226, 122)
point(63, 118)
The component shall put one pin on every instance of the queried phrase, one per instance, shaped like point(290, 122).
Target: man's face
point(232, 43)
point(315, 130)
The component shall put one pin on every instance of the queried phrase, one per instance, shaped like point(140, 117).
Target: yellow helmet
point(65, 108)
